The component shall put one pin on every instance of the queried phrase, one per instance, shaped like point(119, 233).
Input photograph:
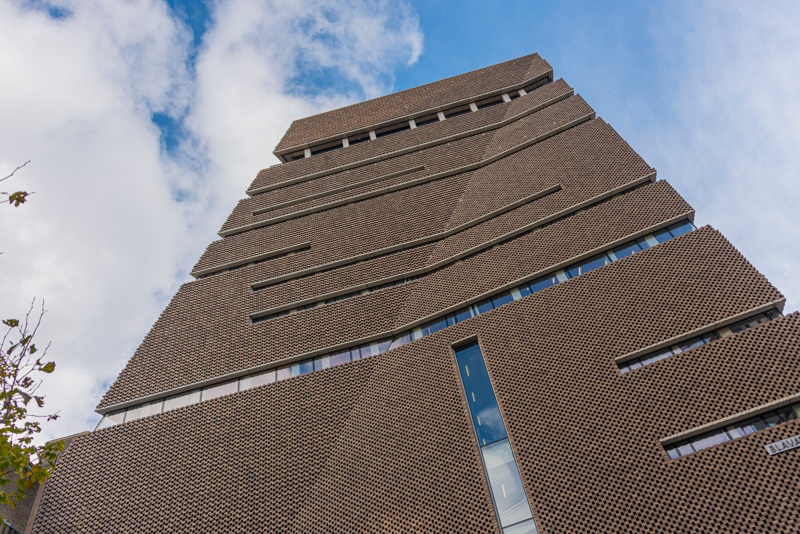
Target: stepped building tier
point(469, 306)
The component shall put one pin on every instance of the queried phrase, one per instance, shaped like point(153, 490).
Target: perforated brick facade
point(342, 251)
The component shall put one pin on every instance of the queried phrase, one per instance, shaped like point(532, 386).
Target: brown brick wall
point(352, 155)
point(206, 331)
point(419, 211)
point(436, 160)
point(413, 100)
point(385, 444)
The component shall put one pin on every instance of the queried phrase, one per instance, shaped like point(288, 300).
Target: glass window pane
point(524, 291)
point(588, 265)
point(709, 440)
point(152, 408)
point(772, 418)
point(526, 527)
point(544, 283)
point(303, 368)
point(685, 448)
point(735, 431)
point(647, 241)
point(383, 345)
point(785, 414)
point(692, 344)
point(463, 315)
point(624, 251)
point(143, 410)
point(480, 396)
point(111, 419)
point(438, 325)
point(184, 399)
point(759, 424)
point(284, 372)
point(400, 340)
point(560, 276)
point(133, 413)
point(502, 298)
point(681, 228)
point(218, 390)
point(509, 495)
point(672, 452)
point(662, 235)
point(255, 380)
point(484, 306)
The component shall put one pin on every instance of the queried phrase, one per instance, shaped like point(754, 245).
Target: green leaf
point(49, 367)
point(18, 198)
point(12, 323)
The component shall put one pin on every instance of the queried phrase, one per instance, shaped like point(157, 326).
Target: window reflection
point(332, 360)
point(508, 493)
point(731, 432)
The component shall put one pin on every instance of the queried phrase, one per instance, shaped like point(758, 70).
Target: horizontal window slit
point(697, 341)
point(723, 434)
point(379, 347)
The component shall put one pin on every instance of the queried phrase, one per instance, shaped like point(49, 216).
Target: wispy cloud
point(121, 213)
point(731, 146)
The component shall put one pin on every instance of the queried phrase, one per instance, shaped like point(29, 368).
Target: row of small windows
point(256, 262)
point(414, 123)
point(334, 299)
point(508, 493)
point(379, 347)
point(588, 265)
point(735, 431)
point(698, 341)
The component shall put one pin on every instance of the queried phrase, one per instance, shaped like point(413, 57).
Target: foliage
point(17, 197)
point(21, 366)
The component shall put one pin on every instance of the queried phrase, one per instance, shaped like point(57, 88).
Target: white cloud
point(731, 147)
point(104, 239)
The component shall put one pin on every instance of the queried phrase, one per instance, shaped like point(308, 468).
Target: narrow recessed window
point(358, 138)
point(536, 85)
point(456, 111)
point(218, 390)
point(427, 119)
point(255, 380)
point(488, 102)
point(184, 399)
point(327, 147)
point(508, 493)
point(111, 419)
point(395, 128)
point(295, 155)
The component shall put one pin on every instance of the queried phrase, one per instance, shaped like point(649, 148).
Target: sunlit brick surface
point(386, 444)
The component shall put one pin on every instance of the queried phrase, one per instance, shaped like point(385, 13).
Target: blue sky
point(146, 120)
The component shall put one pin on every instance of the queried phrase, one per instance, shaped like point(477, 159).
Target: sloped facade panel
point(309, 380)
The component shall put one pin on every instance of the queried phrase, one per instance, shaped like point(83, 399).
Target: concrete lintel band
point(361, 257)
point(461, 255)
point(413, 148)
point(517, 86)
point(730, 420)
point(655, 347)
point(437, 176)
point(392, 332)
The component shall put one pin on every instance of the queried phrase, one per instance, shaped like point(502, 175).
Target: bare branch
point(14, 171)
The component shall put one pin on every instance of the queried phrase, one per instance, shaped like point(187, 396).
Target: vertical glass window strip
point(332, 360)
point(508, 493)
